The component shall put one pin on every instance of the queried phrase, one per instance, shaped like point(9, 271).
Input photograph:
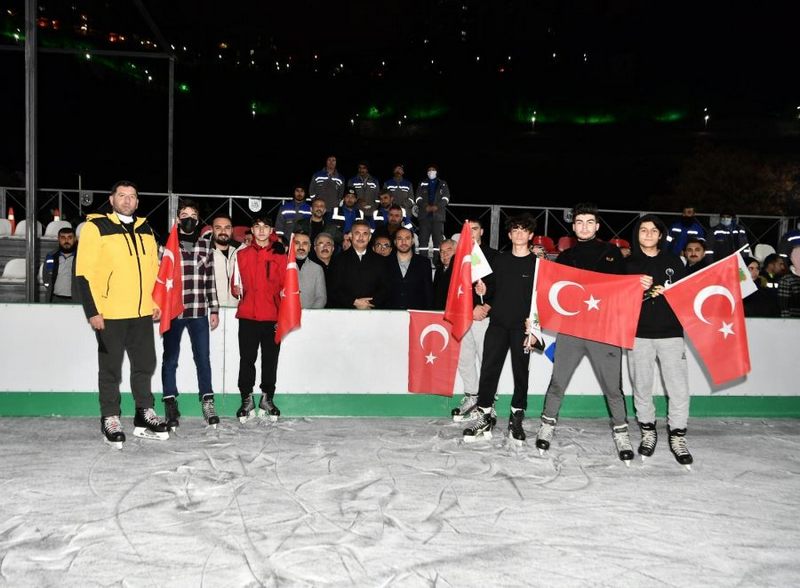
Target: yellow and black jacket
point(116, 267)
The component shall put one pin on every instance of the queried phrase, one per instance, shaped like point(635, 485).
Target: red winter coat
point(262, 272)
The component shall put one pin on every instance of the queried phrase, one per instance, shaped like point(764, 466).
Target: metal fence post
point(494, 230)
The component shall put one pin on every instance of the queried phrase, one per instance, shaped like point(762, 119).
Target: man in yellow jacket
point(115, 274)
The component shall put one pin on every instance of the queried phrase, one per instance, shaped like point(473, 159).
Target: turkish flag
point(709, 305)
point(168, 289)
point(432, 354)
point(586, 304)
point(458, 309)
point(289, 312)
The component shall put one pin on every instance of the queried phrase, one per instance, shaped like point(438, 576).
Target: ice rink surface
point(395, 502)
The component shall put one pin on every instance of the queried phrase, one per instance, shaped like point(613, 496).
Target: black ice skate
point(545, 434)
point(247, 410)
point(649, 439)
point(466, 409)
point(515, 430)
point(209, 412)
point(677, 444)
point(148, 425)
point(481, 426)
point(622, 441)
point(111, 428)
point(171, 414)
point(267, 408)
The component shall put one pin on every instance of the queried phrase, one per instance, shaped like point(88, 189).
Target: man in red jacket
point(258, 283)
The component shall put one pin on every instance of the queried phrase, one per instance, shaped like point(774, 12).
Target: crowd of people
point(355, 249)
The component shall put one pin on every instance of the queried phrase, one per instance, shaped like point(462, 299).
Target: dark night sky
point(644, 60)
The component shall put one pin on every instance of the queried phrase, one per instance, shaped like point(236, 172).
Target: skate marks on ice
point(374, 502)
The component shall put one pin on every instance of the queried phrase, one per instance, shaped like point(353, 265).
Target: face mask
point(725, 221)
point(432, 174)
point(188, 225)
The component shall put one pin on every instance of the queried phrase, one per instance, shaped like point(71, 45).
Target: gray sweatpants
point(606, 361)
point(469, 360)
point(671, 355)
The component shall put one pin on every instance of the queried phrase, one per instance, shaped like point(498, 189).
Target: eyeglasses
point(383, 245)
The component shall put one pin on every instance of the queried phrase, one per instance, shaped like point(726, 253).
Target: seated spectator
point(441, 281)
point(727, 237)
point(789, 288)
point(357, 277)
point(409, 275)
point(788, 241)
point(343, 216)
point(292, 211)
point(396, 220)
point(248, 237)
point(313, 293)
point(773, 270)
point(764, 301)
point(59, 267)
point(381, 244)
point(318, 222)
point(695, 255)
point(688, 227)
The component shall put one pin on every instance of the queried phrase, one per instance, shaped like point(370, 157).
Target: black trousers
point(252, 335)
point(134, 336)
point(498, 342)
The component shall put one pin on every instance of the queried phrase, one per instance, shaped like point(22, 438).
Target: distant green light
point(426, 113)
point(183, 88)
point(373, 112)
point(671, 116)
point(595, 119)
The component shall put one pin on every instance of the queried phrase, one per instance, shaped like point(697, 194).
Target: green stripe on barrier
point(85, 404)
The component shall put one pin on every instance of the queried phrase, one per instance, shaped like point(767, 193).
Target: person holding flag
point(659, 338)
point(190, 304)
point(589, 253)
point(258, 281)
point(509, 297)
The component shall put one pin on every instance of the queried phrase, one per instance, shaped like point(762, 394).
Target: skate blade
point(114, 444)
point(250, 415)
point(542, 452)
point(627, 462)
point(211, 425)
point(262, 414)
point(644, 458)
point(515, 441)
point(688, 467)
point(144, 433)
point(173, 429)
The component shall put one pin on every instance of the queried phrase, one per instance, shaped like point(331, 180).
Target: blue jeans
point(198, 334)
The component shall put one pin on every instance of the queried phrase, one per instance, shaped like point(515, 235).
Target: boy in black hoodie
point(659, 336)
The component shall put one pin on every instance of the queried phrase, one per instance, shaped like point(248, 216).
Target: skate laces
point(546, 430)
point(480, 423)
point(151, 417)
point(648, 439)
point(678, 445)
point(112, 424)
point(622, 439)
point(208, 408)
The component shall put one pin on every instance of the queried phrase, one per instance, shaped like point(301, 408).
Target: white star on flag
point(460, 291)
point(430, 358)
point(593, 303)
point(727, 329)
point(169, 284)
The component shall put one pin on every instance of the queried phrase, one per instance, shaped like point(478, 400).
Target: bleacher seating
point(14, 270)
point(546, 242)
point(5, 227)
point(53, 227)
point(78, 230)
point(19, 233)
point(762, 250)
point(566, 242)
point(239, 232)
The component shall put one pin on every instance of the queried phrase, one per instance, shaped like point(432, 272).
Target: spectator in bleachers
point(248, 237)
point(396, 220)
point(444, 270)
point(433, 196)
point(773, 269)
point(357, 276)
point(727, 237)
point(327, 184)
point(343, 216)
point(366, 187)
point(380, 218)
point(695, 255)
point(764, 301)
point(402, 191)
point(324, 248)
point(318, 222)
point(224, 248)
point(313, 292)
point(688, 227)
point(410, 284)
point(59, 267)
point(788, 241)
point(200, 312)
point(292, 211)
point(789, 288)
point(381, 244)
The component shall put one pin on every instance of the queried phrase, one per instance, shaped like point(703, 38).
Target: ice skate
point(148, 425)
point(267, 408)
point(171, 413)
point(649, 439)
point(515, 430)
point(545, 434)
point(481, 427)
point(677, 444)
point(209, 412)
point(465, 410)
point(622, 441)
point(247, 410)
point(111, 428)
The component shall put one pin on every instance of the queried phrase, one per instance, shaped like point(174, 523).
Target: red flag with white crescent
point(708, 303)
point(168, 289)
point(458, 308)
point(290, 311)
point(432, 354)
